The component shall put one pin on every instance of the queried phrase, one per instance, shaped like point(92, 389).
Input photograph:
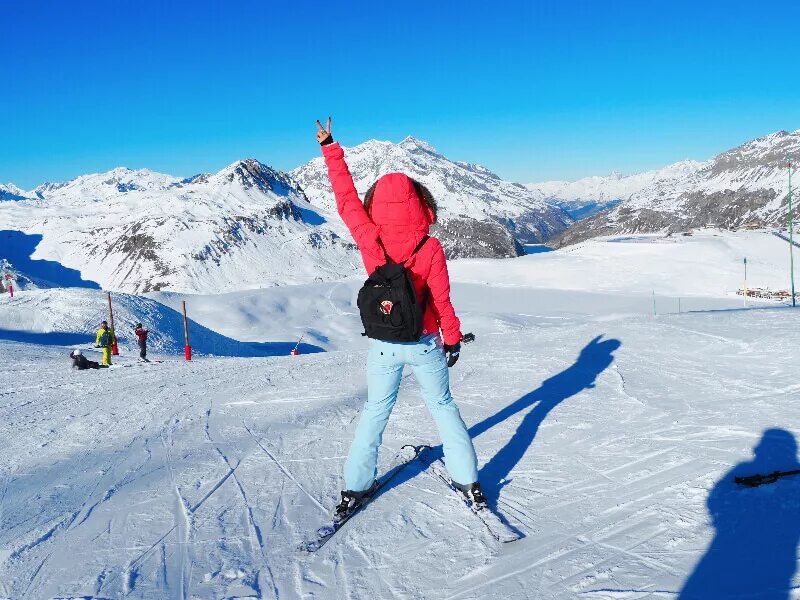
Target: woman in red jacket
point(396, 215)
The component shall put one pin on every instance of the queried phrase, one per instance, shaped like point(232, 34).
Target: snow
point(602, 432)
point(612, 187)
point(134, 231)
point(708, 263)
point(461, 189)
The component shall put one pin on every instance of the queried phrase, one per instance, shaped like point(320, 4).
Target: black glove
point(452, 352)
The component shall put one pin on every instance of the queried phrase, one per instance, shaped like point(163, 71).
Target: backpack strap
point(425, 294)
point(416, 249)
point(419, 246)
point(385, 254)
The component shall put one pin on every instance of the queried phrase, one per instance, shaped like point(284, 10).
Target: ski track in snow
point(199, 480)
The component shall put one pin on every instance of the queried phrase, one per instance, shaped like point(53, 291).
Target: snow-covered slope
point(18, 279)
point(708, 263)
point(746, 186)
point(590, 195)
point(11, 192)
point(71, 317)
point(247, 226)
point(609, 443)
point(604, 277)
point(480, 213)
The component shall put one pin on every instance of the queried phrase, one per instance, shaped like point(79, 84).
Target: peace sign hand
point(324, 136)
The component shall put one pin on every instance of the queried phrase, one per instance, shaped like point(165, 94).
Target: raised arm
point(349, 205)
point(439, 286)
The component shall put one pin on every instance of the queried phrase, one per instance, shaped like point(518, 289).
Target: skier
point(80, 362)
point(141, 336)
point(104, 340)
point(392, 224)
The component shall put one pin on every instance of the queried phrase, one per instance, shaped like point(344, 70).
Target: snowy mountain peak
point(470, 194)
point(249, 173)
point(411, 143)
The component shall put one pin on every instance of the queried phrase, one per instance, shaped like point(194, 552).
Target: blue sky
point(533, 90)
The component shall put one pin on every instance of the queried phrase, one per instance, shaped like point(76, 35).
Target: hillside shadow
point(166, 334)
point(168, 322)
point(51, 338)
point(754, 550)
point(17, 247)
point(593, 359)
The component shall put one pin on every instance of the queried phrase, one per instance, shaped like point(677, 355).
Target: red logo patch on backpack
point(386, 307)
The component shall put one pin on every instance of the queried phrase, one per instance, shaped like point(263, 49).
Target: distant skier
point(391, 226)
point(80, 362)
point(141, 336)
point(104, 340)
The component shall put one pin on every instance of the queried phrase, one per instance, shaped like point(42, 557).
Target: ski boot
point(351, 501)
point(473, 494)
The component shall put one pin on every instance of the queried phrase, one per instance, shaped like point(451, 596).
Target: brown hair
point(423, 194)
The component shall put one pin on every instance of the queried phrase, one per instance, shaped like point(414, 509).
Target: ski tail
point(404, 457)
point(436, 469)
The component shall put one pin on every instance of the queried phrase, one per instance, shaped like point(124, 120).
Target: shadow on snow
point(166, 327)
point(754, 550)
point(17, 247)
point(51, 338)
point(593, 359)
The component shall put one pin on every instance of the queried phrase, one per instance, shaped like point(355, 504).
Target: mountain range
point(251, 226)
point(746, 186)
point(480, 215)
point(246, 226)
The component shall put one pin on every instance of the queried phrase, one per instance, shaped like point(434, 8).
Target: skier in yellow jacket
point(104, 340)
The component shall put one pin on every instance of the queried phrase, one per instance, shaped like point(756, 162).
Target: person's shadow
point(754, 551)
point(595, 357)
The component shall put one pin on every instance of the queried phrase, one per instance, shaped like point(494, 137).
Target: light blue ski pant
point(385, 364)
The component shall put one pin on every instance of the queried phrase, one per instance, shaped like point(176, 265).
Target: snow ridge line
point(284, 470)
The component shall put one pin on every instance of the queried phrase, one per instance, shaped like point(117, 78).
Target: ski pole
point(756, 480)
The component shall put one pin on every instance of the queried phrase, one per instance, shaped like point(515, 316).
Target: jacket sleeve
point(352, 211)
point(97, 337)
point(439, 287)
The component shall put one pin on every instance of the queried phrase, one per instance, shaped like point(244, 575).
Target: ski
point(435, 468)
point(757, 480)
point(402, 459)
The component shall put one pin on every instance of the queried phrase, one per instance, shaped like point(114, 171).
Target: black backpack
point(388, 303)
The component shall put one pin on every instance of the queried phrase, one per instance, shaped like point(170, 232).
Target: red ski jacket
point(141, 334)
point(401, 220)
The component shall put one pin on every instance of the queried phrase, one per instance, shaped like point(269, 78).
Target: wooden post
point(114, 349)
point(187, 349)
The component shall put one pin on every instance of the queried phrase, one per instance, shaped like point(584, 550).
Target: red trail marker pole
point(187, 349)
point(296, 350)
point(114, 349)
